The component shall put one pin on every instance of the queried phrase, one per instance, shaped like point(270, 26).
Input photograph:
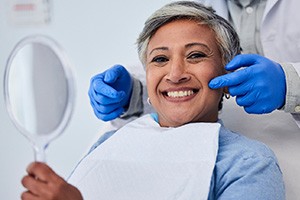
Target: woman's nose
point(177, 73)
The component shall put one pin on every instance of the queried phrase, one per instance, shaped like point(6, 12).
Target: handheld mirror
point(39, 91)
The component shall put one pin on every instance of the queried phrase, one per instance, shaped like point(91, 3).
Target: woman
point(172, 154)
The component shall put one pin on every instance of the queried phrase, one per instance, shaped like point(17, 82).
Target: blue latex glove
point(110, 92)
point(259, 85)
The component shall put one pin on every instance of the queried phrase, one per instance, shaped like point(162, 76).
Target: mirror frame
point(59, 52)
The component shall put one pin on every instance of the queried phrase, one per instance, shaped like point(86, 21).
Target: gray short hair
point(226, 36)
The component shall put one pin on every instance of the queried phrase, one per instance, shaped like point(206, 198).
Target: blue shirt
point(245, 169)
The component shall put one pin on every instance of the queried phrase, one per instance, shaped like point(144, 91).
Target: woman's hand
point(43, 183)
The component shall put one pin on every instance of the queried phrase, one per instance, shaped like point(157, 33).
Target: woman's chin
point(175, 121)
point(180, 118)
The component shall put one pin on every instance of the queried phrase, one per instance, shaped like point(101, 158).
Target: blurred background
point(96, 35)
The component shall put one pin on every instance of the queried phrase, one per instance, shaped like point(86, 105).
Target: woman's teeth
point(178, 94)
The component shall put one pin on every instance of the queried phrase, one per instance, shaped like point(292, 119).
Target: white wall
point(97, 34)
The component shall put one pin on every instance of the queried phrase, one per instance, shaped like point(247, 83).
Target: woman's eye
point(196, 55)
point(160, 59)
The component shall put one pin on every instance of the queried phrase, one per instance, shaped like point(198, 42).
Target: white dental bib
point(144, 161)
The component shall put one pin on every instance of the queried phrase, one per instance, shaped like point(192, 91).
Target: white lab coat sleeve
point(296, 115)
point(292, 100)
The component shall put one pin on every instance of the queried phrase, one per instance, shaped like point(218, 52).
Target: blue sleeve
point(251, 178)
point(102, 139)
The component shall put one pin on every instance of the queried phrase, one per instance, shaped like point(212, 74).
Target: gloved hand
point(110, 92)
point(259, 86)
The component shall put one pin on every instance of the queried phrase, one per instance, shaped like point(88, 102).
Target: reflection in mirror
point(39, 91)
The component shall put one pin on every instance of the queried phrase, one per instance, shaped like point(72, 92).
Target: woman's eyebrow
point(158, 49)
point(197, 44)
point(189, 45)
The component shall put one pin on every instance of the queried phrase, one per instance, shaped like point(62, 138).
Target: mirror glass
point(39, 90)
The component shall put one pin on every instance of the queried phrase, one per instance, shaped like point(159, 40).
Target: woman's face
point(182, 57)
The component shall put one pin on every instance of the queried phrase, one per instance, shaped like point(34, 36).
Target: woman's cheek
point(151, 83)
point(206, 76)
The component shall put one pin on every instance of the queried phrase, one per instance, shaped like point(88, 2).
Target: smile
point(180, 93)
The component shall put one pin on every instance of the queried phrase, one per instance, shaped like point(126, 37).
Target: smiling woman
point(182, 151)
point(179, 65)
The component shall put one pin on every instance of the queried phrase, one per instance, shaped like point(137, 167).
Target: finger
point(246, 100)
point(257, 109)
point(114, 73)
point(97, 85)
point(42, 172)
point(105, 109)
point(104, 100)
point(241, 89)
point(38, 170)
point(29, 196)
point(113, 115)
point(231, 79)
point(34, 185)
point(242, 60)
point(102, 88)
point(98, 76)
